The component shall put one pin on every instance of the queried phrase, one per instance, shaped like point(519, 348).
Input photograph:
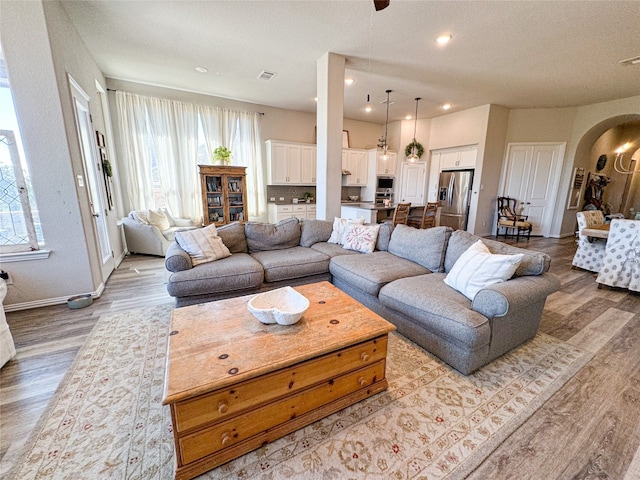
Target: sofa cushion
point(384, 236)
point(177, 259)
point(361, 238)
point(426, 247)
point(203, 245)
point(314, 231)
point(237, 272)
point(267, 236)
point(233, 237)
point(532, 263)
point(331, 249)
point(427, 300)
point(371, 271)
point(289, 263)
point(478, 268)
point(339, 225)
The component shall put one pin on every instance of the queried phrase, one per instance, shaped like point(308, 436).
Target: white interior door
point(92, 177)
point(412, 183)
point(531, 176)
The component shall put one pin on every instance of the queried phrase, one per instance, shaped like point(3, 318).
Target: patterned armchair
point(621, 264)
point(590, 252)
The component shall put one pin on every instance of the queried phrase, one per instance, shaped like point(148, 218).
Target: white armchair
point(621, 264)
point(590, 252)
point(151, 232)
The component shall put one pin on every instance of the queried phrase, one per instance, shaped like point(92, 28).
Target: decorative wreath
point(419, 149)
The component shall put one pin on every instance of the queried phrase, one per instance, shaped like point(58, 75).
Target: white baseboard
point(47, 302)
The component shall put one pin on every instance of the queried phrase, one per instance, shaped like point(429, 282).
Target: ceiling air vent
point(266, 76)
point(631, 61)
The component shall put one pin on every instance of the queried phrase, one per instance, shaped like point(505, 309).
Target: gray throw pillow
point(233, 237)
point(315, 231)
point(425, 247)
point(267, 236)
point(384, 236)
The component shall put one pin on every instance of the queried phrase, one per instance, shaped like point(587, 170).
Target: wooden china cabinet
point(224, 194)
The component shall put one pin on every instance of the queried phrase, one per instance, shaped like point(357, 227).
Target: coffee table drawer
point(220, 404)
point(242, 427)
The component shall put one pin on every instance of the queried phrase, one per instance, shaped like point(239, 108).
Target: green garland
point(419, 149)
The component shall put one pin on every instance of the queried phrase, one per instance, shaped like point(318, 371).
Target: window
point(19, 222)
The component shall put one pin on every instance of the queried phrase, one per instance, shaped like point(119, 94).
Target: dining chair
point(590, 252)
point(400, 214)
point(621, 262)
point(427, 217)
point(508, 219)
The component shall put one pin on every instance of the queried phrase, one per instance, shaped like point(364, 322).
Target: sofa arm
point(142, 238)
point(176, 259)
point(497, 299)
point(184, 223)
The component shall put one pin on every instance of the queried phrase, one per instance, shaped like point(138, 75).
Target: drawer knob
point(362, 381)
point(222, 407)
point(364, 356)
point(226, 438)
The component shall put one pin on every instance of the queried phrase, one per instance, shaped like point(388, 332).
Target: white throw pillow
point(339, 224)
point(361, 238)
point(478, 268)
point(203, 245)
point(159, 219)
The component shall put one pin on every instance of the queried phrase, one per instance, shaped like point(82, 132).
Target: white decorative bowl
point(353, 198)
point(282, 305)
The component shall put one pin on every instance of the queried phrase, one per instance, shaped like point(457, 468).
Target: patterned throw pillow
point(478, 268)
point(203, 245)
point(361, 238)
point(339, 224)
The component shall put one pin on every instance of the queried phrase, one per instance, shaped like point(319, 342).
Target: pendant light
point(414, 157)
point(384, 145)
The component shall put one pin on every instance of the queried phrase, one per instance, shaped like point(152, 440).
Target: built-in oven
point(384, 190)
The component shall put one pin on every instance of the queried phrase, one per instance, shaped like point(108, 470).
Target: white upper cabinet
point(290, 163)
point(357, 162)
point(458, 158)
point(386, 167)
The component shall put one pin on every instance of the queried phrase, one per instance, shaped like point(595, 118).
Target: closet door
point(531, 175)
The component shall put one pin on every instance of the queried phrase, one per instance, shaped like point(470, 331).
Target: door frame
point(401, 190)
point(555, 178)
point(92, 183)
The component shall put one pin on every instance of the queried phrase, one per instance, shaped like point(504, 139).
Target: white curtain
point(239, 132)
point(160, 145)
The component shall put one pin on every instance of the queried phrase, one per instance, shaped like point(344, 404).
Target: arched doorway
point(600, 143)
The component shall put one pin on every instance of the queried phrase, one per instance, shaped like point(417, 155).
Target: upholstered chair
point(590, 251)
point(621, 264)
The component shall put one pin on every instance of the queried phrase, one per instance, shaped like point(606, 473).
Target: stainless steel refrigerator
point(454, 195)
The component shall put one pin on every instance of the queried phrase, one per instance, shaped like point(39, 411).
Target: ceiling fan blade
point(381, 4)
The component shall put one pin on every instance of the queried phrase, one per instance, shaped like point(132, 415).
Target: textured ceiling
point(533, 54)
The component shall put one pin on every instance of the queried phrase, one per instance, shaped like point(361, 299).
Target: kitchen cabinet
point(356, 162)
point(354, 212)
point(299, 210)
point(448, 159)
point(291, 163)
point(224, 194)
point(384, 167)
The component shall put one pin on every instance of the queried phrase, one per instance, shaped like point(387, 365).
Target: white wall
point(51, 148)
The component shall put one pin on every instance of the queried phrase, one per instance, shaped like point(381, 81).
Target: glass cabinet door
point(215, 203)
point(235, 187)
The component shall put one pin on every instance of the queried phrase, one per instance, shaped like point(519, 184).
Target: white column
point(330, 78)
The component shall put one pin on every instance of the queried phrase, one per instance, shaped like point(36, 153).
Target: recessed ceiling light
point(368, 108)
point(443, 39)
point(408, 117)
point(349, 81)
point(202, 69)
point(315, 99)
point(446, 106)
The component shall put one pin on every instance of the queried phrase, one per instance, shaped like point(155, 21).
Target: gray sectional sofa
point(402, 280)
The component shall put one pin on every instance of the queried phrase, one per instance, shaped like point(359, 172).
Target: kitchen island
point(370, 212)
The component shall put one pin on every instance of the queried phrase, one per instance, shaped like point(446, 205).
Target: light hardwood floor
point(589, 429)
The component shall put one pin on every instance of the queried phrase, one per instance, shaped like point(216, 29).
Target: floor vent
point(266, 76)
point(631, 61)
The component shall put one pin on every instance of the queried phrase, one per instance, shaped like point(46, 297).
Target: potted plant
point(222, 156)
point(308, 197)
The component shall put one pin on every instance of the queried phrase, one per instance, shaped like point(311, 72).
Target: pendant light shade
point(413, 156)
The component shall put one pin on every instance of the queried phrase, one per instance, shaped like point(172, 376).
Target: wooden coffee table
point(233, 383)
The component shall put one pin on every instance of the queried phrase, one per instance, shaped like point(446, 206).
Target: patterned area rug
point(107, 421)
